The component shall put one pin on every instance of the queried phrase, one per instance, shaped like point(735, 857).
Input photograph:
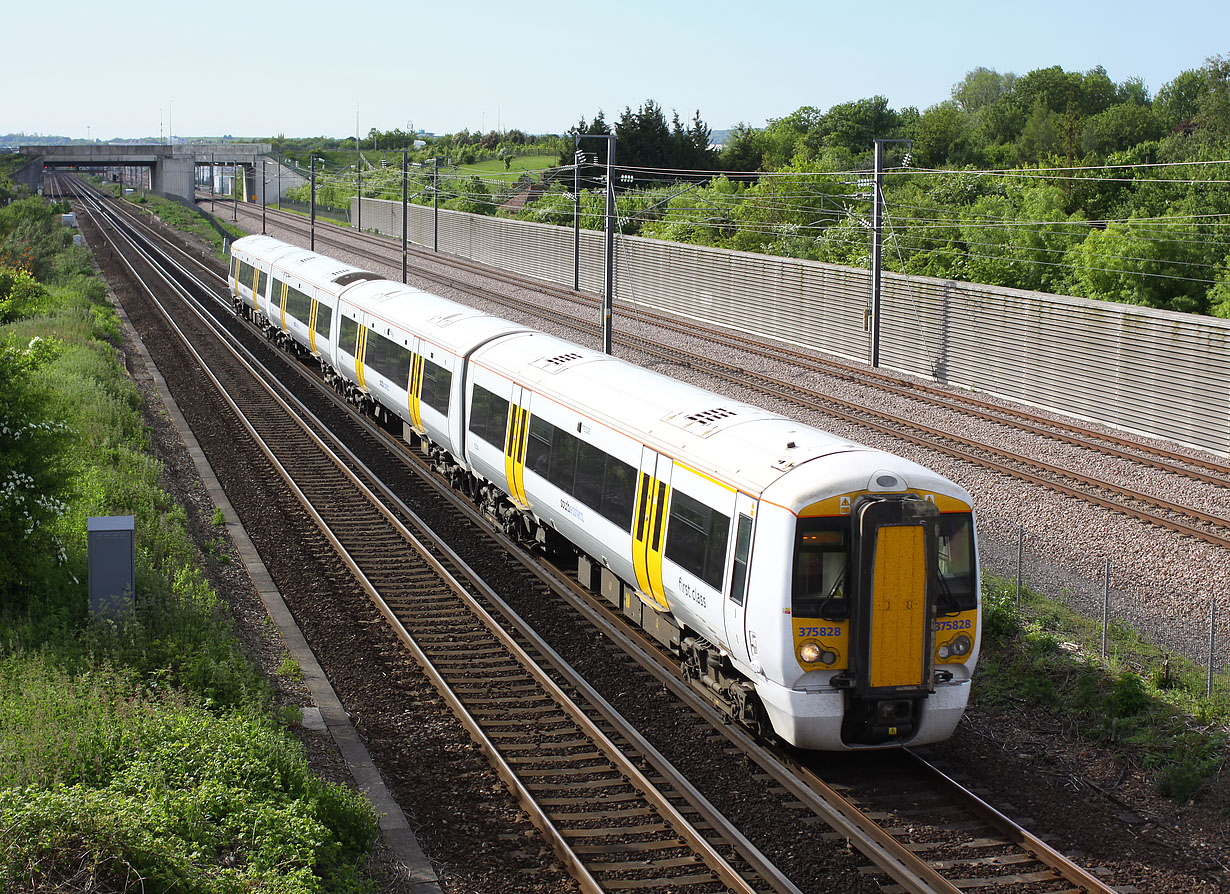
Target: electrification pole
point(264, 186)
point(608, 297)
point(312, 226)
point(405, 176)
point(435, 190)
point(576, 216)
point(877, 239)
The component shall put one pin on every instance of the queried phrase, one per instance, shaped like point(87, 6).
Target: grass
point(495, 170)
point(1148, 708)
point(147, 754)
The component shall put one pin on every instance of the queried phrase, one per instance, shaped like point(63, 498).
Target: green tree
point(1041, 134)
point(1120, 127)
point(982, 87)
point(941, 136)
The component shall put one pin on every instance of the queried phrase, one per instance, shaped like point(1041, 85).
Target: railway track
point(1151, 508)
point(1016, 860)
point(571, 762)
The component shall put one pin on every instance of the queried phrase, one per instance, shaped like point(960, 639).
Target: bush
point(1128, 696)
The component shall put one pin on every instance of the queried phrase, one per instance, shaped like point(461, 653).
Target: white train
point(812, 587)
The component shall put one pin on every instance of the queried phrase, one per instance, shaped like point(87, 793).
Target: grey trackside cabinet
point(113, 565)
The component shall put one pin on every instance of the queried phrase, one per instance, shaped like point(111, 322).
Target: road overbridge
point(172, 166)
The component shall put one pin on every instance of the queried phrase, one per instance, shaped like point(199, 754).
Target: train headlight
point(812, 652)
point(961, 645)
point(944, 651)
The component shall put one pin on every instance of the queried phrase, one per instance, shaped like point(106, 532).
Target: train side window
point(324, 319)
point(262, 278)
point(388, 358)
point(538, 451)
point(618, 493)
point(234, 266)
point(696, 538)
point(591, 468)
point(821, 568)
point(743, 547)
point(298, 305)
point(489, 416)
point(437, 385)
point(563, 470)
point(350, 336)
point(955, 550)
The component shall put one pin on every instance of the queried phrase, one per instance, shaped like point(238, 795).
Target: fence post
point(1212, 641)
point(1106, 607)
point(1020, 553)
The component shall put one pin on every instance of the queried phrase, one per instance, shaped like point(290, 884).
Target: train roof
point(307, 266)
point(744, 445)
point(452, 326)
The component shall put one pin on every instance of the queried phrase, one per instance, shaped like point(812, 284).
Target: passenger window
point(324, 319)
point(489, 416)
point(696, 538)
point(350, 335)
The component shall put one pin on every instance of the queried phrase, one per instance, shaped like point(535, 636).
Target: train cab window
point(489, 416)
point(955, 550)
point(350, 335)
point(324, 319)
point(437, 386)
point(234, 266)
point(821, 569)
point(696, 538)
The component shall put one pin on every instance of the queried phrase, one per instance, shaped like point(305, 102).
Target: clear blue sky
point(127, 68)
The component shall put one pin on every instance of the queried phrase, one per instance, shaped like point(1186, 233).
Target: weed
point(219, 517)
point(290, 669)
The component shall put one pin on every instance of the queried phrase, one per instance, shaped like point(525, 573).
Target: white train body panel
point(837, 581)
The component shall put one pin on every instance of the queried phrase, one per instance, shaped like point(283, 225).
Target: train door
point(737, 595)
point(515, 440)
point(894, 539)
point(414, 387)
point(649, 525)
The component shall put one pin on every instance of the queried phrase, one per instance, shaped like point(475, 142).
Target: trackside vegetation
point(148, 755)
point(1148, 709)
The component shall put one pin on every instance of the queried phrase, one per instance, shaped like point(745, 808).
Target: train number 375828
point(958, 624)
point(819, 631)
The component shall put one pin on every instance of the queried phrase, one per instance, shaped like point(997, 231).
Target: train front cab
point(884, 614)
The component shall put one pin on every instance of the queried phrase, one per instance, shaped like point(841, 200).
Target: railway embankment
point(158, 750)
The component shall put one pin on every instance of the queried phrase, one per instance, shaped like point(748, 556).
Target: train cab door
point(738, 592)
point(895, 552)
point(649, 525)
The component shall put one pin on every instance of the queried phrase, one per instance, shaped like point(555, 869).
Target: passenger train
point(813, 588)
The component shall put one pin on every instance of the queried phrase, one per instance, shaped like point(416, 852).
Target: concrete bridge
point(173, 166)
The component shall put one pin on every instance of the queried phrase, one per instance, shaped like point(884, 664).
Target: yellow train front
point(874, 635)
